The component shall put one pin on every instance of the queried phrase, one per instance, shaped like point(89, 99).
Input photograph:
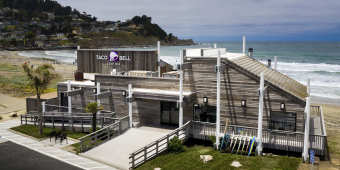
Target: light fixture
point(124, 93)
point(282, 106)
point(94, 90)
point(205, 99)
point(243, 103)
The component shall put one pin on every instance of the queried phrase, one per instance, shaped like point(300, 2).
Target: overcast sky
point(275, 20)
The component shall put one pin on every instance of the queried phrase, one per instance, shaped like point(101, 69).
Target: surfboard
point(251, 146)
point(244, 143)
point(232, 151)
point(225, 131)
point(231, 143)
point(239, 145)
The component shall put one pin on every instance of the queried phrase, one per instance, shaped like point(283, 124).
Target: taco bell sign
point(114, 56)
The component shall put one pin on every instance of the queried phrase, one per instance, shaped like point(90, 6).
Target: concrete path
point(116, 152)
point(48, 148)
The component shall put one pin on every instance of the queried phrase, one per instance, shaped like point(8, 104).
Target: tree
point(93, 107)
point(39, 79)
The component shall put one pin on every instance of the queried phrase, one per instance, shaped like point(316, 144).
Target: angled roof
point(272, 76)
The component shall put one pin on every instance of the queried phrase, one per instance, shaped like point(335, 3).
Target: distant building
point(6, 9)
point(39, 44)
point(8, 23)
point(42, 37)
point(60, 35)
point(2, 25)
point(15, 22)
point(132, 26)
point(15, 10)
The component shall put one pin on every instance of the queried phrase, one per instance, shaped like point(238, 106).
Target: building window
point(205, 113)
point(282, 121)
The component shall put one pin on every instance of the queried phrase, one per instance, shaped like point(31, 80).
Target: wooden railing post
point(156, 147)
point(133, 160)
point(108, 132)
point(102, 122)
point(82, 124)
point(81, 146)
point(72, 119)
point(145, 154)
point(95, 139)
point(33, 119)
point(26, 119)
point(62, 120)
point(21, 119)
point(43, 119)
point(287, 142)
point(204, 132)
point(167, 142)
point(270, 135)
point(53, 120)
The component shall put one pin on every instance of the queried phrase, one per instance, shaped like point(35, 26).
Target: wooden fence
point(98, 137)
point(79, 122)
point(271, 139)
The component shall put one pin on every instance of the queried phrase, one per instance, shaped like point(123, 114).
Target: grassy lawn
point(191, 160)
point(14, 81)
point(33, 131)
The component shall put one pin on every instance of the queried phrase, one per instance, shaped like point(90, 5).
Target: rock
point(335, 162)
point(13, 114)
point(236, 164)
point(206, 158)
point(157, 169)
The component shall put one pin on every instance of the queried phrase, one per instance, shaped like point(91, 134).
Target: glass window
point(204, 113)
point(282, 121)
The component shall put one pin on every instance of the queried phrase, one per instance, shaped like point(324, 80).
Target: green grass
point(33, 131)
point(10, 68)
point(191, 160)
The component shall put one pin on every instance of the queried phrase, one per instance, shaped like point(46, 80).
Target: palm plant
point(93, 107)
point(39, 79)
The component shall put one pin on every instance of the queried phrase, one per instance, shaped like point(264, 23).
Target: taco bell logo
point(114, 56)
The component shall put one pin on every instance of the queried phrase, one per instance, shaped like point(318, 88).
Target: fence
point(272, 139)
point(98, 137)
point(79, 122)
point(153, 149)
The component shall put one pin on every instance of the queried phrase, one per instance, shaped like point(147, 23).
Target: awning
point(161, 94)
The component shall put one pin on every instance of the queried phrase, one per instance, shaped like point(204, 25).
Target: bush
point(176, 146)
point(0, 118)
point(213, 140)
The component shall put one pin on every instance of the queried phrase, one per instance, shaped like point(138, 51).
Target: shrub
point(176, 146)
point(0, 118)
point(213, 140)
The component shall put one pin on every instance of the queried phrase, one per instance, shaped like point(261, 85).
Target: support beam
point(159, 57)
point(74, 92)
point(306, 135)
point(43, 107)
point(218, 102)
point(130, 106)
point(69, 98)
point(259, 137)
point(102, 95)
point(308, 86)
point(98, 92)
point(181, 90)
point(275, 63)
point(244, 44)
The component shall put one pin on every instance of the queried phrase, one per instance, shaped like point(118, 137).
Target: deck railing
point(272, 139)
point(316, 111)
point(98, 137)
point(155, 148)
point(80, 122)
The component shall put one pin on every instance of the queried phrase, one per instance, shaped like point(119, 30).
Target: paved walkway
point(11, 104)
point(48, 149)
point(116, 152)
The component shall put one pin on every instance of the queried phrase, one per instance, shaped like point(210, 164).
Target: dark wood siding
point(139, 60)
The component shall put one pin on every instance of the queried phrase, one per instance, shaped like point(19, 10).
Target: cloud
point(223, 17)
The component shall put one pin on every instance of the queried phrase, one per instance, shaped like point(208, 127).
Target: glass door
point(169, 113)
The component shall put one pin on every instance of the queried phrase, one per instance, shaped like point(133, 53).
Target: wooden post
point(108, 132)
point(102, 122)
point(53, 122)
point(33, 120)
point(21, 119)
point(82, 124)
point(43, 118)
point(81, 146)
point(72, 124)
point(133, 160)
point(167, 142)
point(62, 120)
point(145, 156)
point(287, 142)
point(270, 134)
point(26, 119)
point(204, 132)
point(156, 147)
point(95, 139)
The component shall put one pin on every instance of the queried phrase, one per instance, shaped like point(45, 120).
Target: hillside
point(39, 24)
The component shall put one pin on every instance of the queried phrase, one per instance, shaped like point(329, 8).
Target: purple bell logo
point(114, 56)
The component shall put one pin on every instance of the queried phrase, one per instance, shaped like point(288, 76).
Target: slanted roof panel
point(273, 77)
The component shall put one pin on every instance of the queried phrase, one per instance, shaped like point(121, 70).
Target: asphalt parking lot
point(17, 157)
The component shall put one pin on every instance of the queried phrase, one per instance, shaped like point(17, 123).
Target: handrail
point(322, 122)
point(108, 131)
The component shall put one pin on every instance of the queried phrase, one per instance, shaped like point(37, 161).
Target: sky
point(227, 20)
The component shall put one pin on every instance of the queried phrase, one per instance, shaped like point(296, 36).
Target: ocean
point(319, 61)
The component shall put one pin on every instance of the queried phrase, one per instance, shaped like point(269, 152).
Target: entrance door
point(169, 113)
